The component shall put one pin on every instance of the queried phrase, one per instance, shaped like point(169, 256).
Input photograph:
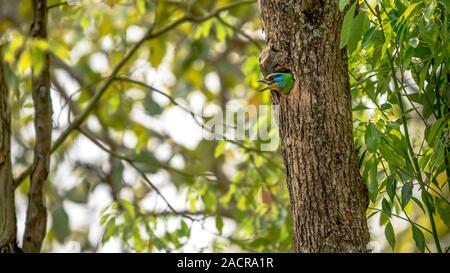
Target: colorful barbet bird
point(281, 81)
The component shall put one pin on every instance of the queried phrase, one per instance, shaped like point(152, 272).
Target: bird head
point(281, 81)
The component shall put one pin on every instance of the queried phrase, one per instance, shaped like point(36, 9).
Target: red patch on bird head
point(282, 69)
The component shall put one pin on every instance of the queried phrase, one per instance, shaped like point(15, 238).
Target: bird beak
point(264, 89)
point(264, 81)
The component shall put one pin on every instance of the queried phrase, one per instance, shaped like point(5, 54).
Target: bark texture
point(7, 206)
point(328, 196)
point(36, 221)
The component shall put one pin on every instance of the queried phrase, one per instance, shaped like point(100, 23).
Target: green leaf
point(391, 156)
point(61, 224)
point(346, 26)
point(386, 207)
point(435, 131)
point(342, 4)
point(358, 27)
point(37, 59)
point(219, 223)
point(184, 229)
point(429, 11)
point(409, 10)
point(443, 209)
point(159, 243)
point(372, 138)
point(24, 62)
point(221, 32)
point(79, 194)
point(417, 201)
point(203, 30)
point(390, 235)
point(157, 51)
point(391, 187)
point(446, 4)
point(151, 107)
point(372, 180)
point(146, 162)
point(209, 200)
point(60, 50)
point(419, 238)
point(141, 6)
point(360, 107)
point(386, 106)
point(427, 198)
point(117, 175)
point(219, 149)
point(406, 193)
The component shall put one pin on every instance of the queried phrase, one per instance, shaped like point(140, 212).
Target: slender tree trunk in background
point(328, 196)
point(7, 207)
point(36, 221)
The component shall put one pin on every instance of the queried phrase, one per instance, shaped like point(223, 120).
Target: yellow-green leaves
point(141, 6)
point(24, 62)
point(203, 29)
point(220, 149)
point(251, 71)
point(60, 50)
point(408, 11)
point(221, 31)
point(15, 42)
point(158, 49)
point(38, 50)
point(32, 56)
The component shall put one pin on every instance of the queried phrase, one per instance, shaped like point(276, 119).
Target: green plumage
point(281, 81)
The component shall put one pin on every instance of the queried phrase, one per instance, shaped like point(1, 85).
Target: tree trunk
point(328, 196)
point(36, 222)
point(7, 206)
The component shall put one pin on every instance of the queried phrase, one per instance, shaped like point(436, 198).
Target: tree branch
point(36, 221)
point(8, 241)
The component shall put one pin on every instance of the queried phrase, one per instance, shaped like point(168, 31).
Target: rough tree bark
point(328, 196)
point(7, 207)
point(36, 221)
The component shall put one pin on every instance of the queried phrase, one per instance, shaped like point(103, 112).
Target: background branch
point(36, 221)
